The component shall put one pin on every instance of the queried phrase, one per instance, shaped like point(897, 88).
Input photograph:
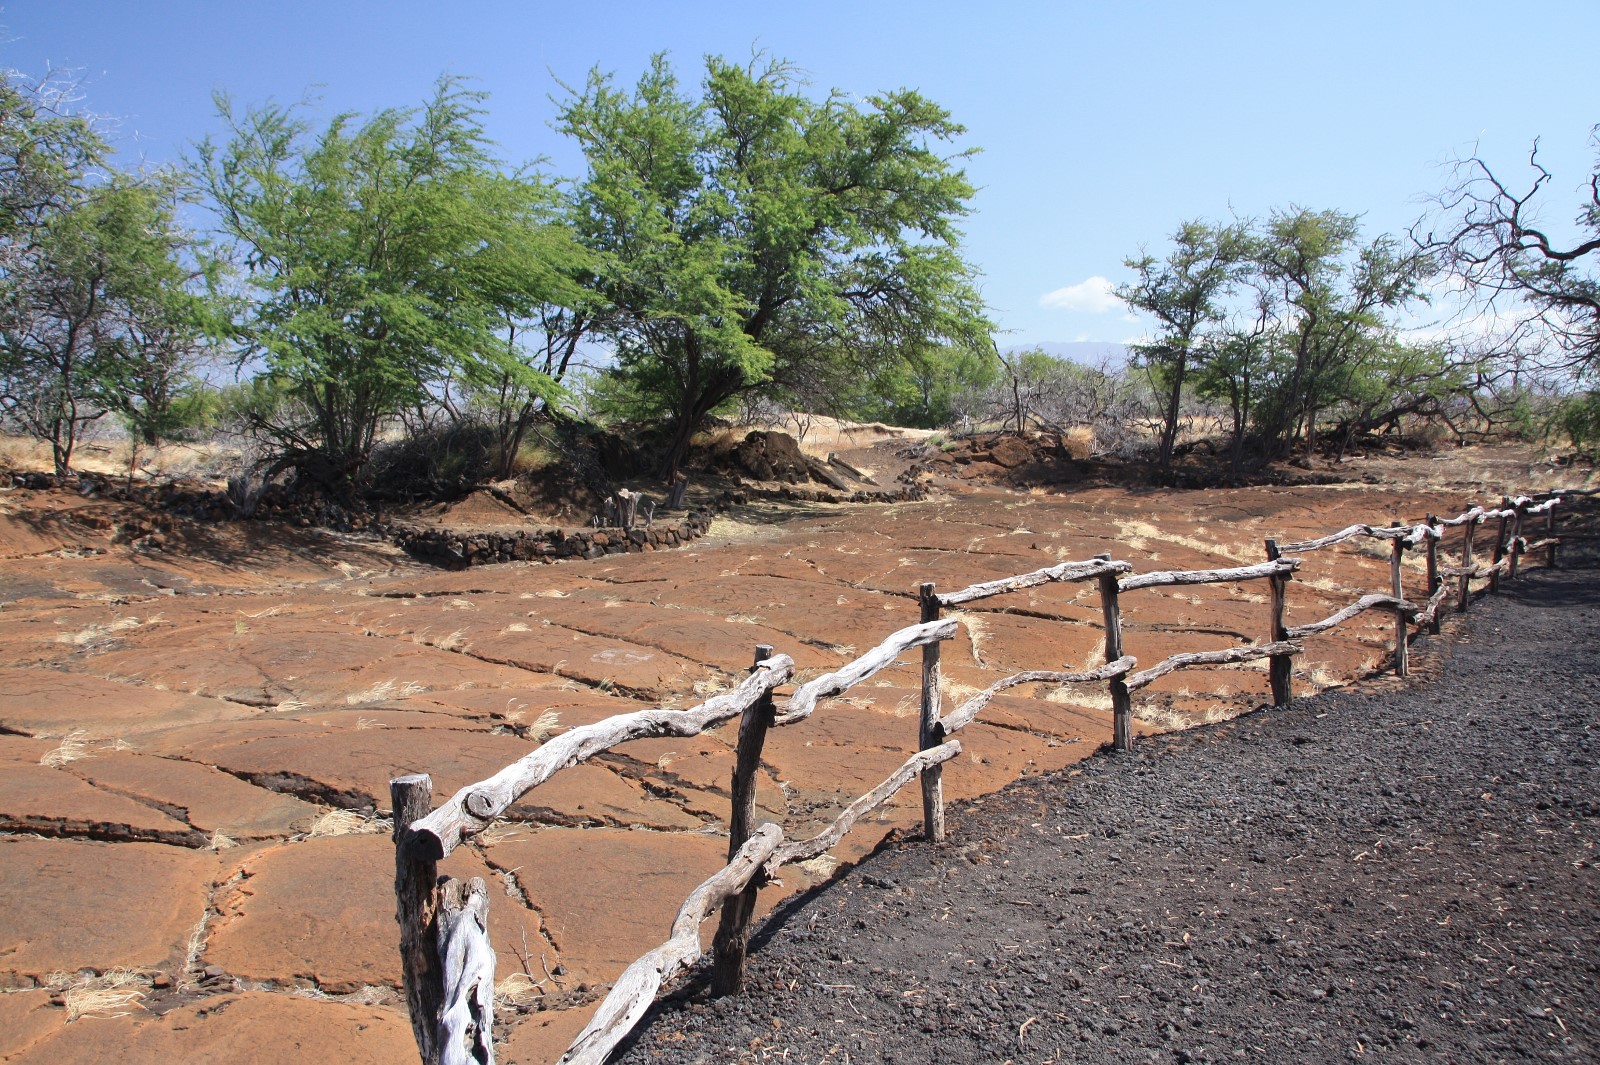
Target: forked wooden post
point(1280, 668)
point(1402, 663)
point(1516, 537)
point(1121, 701)
point(1464, 597)
point(930, 733)
point(733, 930)
point(1435, 582)
point(1550, 534)
point(416, 909)
point(1499, 545)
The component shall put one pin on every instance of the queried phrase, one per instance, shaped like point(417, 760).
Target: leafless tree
point(1487, 230)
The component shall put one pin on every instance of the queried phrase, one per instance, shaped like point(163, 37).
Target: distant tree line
point(740, 243)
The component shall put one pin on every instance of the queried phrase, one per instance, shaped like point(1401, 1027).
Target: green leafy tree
point(381, 256)
point(753, 238)
point(1330, 295)
point(1184, 292)
point(97, 311)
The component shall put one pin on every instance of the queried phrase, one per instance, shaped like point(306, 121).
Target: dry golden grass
point(347, 823)
point(114, 993)
point(977, 632)
point(96, 633)
point(544, 726)
point(516, 990)
point(74, 745)
point(385, 690)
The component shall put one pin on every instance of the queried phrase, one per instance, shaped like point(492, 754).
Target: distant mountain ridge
point(1086, 352)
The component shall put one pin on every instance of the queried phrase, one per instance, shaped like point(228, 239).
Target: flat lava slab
point(245, 1028)
point(319, 913)
point(72, 904)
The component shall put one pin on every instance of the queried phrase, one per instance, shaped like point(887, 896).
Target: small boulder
point(769, 456)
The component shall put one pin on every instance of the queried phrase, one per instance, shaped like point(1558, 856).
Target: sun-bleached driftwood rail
point(474, 806)
point(803, 702)
point(761, 856)
point(1065, 572)
point(447, 959)
point(1430, 612)
point(1274, 568)
point(636, 988)
point(1365, 603)
point(963, 715)
point(1226, 656)
point(802, 850)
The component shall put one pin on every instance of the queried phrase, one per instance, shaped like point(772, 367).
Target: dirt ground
point(198, 723)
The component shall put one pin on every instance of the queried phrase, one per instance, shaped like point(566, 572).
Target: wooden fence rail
point(447, 960)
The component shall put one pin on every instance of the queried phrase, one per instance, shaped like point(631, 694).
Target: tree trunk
point(1169, 431)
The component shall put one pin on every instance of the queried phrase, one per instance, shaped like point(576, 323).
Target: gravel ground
point(1401, 875)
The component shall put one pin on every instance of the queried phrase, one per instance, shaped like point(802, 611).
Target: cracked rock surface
point(197, 731)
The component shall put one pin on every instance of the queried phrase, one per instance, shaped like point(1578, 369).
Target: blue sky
point(1101, 126)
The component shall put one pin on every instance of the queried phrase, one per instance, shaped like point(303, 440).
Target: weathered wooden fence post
point(1435, 582)
point(1121, 701)
point(1499, 545)
point(415, 876)
point(466, 1013)
point(1517, 542)
point(1402, 663)
point(1550, 534)
point(1280, 668)
point(733, 931)
point(1464, 598)
point(929, 732)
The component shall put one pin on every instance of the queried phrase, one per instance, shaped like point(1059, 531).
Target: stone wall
point(460, 548)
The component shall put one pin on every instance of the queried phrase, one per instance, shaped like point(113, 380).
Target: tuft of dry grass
point(977, 633)
point(74, 745)
point(347, 823)
point(516, 990)
point(96, 633)
point(113, 993)
point(451, 642)
point(386, 689)
point(502, 832)
point(544, 726)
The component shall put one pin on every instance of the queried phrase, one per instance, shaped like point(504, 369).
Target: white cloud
point(1093, 296)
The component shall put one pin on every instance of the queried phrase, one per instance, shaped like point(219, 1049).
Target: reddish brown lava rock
point(601, 890)
point(320, 913)
point(26, 1018)
point(249, 1028)
point(97, 905)
point(210, 800)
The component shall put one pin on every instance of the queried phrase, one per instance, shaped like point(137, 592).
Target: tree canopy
point(96, 308)
point(753, 237)
point(380, 255)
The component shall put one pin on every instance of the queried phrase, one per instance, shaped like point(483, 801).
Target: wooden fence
point(447, 959)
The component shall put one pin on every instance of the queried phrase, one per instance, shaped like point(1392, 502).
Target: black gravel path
point(1407, 875)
